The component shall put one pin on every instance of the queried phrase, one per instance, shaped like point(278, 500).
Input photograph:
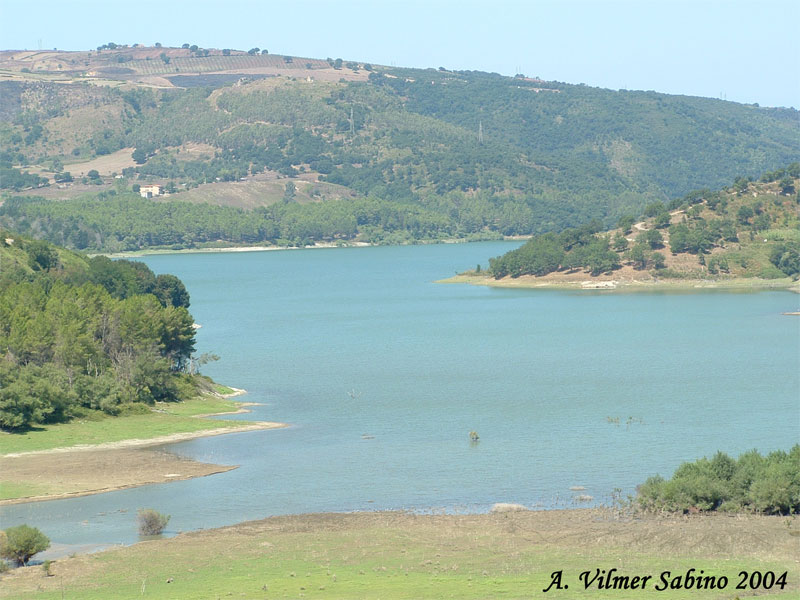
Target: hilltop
point(745, 235)
point(402, 155)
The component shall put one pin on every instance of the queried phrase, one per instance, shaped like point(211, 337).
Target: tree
point(253, 51)
point(639, 256)
point(22, 542)
point(654, 209)
point(678, 238)
point(620, 243)
point(139, 156)
point(93, 174)
point(41, 255)
point(659, 262)
point(762, 222)
point(625, 223)
point(289, 192)
point(744, 214)
point(661, 220)
point(651, 237)
point(170, 291)
point(164, 57)
point(226, 52)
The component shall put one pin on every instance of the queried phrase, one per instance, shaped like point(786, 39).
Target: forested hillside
point(436, 153)
point(79, 335)
point(749, 229)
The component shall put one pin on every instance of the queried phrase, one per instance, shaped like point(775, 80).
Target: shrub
point(151, 522)
point(21, 543)
point(765, 484)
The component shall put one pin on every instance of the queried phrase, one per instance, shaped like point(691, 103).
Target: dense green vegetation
point(750, 229)
point(80, 335)
point(570, 249)
point(766, 484)
point(20, 543)
point(447, 154)
point(129, 222)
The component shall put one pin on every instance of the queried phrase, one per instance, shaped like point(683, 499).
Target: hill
point(468, 153)
point(746, 234)
point(80, 337)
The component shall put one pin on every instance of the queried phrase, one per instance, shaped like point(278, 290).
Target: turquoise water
point(382, 375)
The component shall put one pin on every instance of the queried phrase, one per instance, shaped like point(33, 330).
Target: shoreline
point(95, 469)
point(87, 469)
point(739, 284)
point(226, 249)
point(398, 554)
point(270, 248)
point(155, 441)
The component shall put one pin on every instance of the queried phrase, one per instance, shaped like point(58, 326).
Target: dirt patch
point(92, 472)
point(105, 165)
point(262, 190)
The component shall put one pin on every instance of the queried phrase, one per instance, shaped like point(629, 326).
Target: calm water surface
point(382, 375)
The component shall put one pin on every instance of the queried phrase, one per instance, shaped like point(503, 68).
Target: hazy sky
point(741, 50)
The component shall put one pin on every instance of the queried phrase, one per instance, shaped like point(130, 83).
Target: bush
point(21, 543)
point(765, 484)
point(151, 522)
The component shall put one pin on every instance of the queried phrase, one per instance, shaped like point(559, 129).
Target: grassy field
point(256, 192)
point(167, 419)
point(399, 555)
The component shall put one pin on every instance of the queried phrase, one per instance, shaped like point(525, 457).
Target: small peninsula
point(744, 237)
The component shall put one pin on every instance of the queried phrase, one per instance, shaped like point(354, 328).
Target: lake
point(382, 375)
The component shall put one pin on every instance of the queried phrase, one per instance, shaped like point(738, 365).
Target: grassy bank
point(98, 428)
point(398, 555)
point(741, 284)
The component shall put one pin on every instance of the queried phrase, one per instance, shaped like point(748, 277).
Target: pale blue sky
point(742, 50)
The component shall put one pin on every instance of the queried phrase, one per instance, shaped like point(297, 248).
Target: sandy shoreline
point(74, 474)
point(83, 470)
point(154, 251)
point(267, 248)
point(587, 283)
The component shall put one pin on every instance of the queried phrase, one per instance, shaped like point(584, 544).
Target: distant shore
point(266, 248)
point(588, 283)
point(153, 251)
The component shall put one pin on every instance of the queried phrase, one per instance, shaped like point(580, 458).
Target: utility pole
point(480, 132)
point(352, 124)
